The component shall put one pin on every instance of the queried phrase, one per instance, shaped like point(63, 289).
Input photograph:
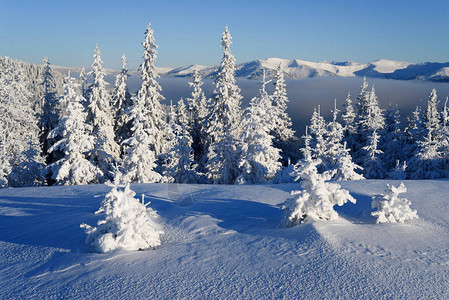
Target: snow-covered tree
point(49, 111)
point(139, 160)
point(317, 133)
point(152, 118)
point(83, 79)
point(106, 152)
point(28, 172)
point(18, 119)
point(76, 142)
point(399, 172)
point(392, 209)
point(198, 110)
point(282, 132)
point(317, 197)
point(349, 117)
point(128, 223)
point(414, 132)
point(179, 161)
point(393, 141)
point(259, 160)
point(427, 162)
point(372, 117)
point(432, 118)
point(224, 120)
point(372, 164)
point(122, 103)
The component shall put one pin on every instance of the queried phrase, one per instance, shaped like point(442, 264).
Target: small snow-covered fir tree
point(399, 172)
point(74, 168)
point(372, 164)
point(318, 133)
point(224, 120)
point(432, 117)
point(317, 197)
point(129, 224)
point(259, 160)
point(106, 152)
point(83, 79)
point(389, 208)
point(349, 117)
point(122, 104)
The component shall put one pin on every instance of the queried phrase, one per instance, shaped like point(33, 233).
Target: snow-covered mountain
point(298, 69)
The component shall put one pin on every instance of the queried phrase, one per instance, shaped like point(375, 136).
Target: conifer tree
point(122, 104)
point(372, 163)
point(179, 160)
point(198, 111)
point(28, 172)
point(317, 197)
point(139, 160)
point(282, 132)
point(224, 120)
point(432, 117)
point(152, 117)
point(18, 119)
point(259, 160)
point(106, 152)
point(393, 144)
point(49, 111)
point(83, 79)
point(74, 168)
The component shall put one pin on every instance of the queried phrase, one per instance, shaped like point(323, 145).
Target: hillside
point(225, 242)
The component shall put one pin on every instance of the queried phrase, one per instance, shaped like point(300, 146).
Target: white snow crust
point(225, 242)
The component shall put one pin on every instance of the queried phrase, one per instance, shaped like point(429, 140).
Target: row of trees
point(87, 132)
point(378, 143)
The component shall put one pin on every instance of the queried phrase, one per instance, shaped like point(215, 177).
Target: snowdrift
point(225, 242)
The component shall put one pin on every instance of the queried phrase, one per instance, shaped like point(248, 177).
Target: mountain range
point(299, 69)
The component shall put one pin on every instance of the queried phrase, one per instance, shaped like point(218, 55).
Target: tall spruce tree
point(282, 132)
point(49, 112)
point(198, 111)
point(106, 153)
point(149, 97)
point(224, 120)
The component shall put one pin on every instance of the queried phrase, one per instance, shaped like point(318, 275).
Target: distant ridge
point(299, 69)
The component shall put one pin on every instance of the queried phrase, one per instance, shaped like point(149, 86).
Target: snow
point(389, 66)
point(225, 242)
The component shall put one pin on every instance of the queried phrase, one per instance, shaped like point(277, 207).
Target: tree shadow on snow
point(358, 213)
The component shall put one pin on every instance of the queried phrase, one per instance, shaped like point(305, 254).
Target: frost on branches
point(390, 208)
point(317, 198)
point(74, 167)
point(129, 224)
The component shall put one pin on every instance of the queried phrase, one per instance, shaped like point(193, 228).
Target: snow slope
point(225, 242)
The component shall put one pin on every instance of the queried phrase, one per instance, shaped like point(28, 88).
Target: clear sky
point(188, 32)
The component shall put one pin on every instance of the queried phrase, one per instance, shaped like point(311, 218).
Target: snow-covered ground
point(225, 242)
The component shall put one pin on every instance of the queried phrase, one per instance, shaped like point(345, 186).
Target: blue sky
point(188, 32)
